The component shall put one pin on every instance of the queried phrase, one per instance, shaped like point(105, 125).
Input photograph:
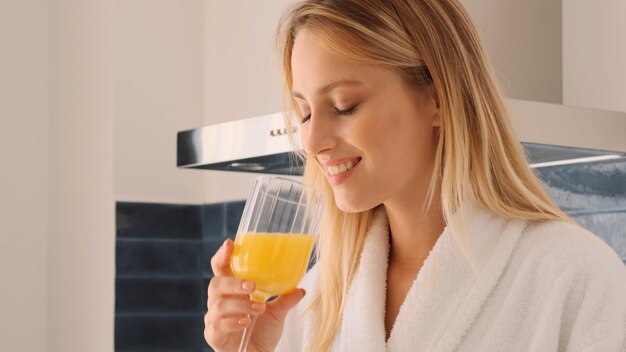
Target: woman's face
point(369, 133)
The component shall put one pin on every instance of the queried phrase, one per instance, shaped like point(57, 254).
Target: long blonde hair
point(434, 44)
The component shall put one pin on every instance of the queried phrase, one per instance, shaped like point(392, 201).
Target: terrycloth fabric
point(548, 286)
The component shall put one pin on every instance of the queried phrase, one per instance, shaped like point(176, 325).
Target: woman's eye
point(345, 112)
point(340, 112)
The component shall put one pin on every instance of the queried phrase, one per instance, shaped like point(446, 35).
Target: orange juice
point(276, 262)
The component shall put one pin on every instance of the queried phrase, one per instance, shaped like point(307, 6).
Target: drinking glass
point(275, 238)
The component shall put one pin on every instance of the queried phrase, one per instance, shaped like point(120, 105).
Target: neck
point(414, 230)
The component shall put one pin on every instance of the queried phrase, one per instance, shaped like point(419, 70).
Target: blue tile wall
point(182, 332)
point(233, 214)
point(147, 220)
point(595, 195)
point(159, 295)
point(156, 257)
point(163, 270)
point(213, 221)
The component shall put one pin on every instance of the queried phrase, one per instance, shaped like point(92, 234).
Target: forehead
point(311, 53)
point(314, 63)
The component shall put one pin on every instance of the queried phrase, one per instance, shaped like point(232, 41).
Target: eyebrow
point(327, 88)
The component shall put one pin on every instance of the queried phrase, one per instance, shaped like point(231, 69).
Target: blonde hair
point(479, 161)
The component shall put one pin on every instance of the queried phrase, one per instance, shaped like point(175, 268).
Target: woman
point(436, 234)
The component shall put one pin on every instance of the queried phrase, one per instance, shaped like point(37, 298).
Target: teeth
point(337, 169)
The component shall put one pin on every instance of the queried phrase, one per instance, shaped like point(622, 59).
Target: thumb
point(283, 304)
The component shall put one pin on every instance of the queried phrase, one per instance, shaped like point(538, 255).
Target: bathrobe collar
point(445, 297)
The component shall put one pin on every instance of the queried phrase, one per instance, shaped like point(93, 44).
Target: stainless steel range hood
point(257, 144)
point(551, 134)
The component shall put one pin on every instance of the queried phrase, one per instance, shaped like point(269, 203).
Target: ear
point(437, 118)
point(433, 109)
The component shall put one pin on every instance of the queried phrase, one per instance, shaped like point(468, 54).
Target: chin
point(354, 205)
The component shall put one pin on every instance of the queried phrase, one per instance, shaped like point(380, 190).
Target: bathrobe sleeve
point(600, 322)
point(574, 291)
point(597, 303)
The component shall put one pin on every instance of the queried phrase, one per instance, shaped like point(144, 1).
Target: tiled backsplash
point(595, 195)
point(162, 272)
point(163, 253)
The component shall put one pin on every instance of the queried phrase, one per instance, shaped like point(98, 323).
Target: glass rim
point(310, 190)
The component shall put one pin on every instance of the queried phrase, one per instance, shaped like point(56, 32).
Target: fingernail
point(257, 306)
point(243, 321)
point(246, 286)
point(224, 256)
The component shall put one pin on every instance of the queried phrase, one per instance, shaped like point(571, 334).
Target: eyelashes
point(346, 112)
point(338, 112)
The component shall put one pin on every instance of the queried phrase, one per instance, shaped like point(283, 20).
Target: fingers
point(229, 307)
point(279, 308)
point(217, 333)
point(220, 262)
point(220, 286)
point(232, 314)
point(229, 325)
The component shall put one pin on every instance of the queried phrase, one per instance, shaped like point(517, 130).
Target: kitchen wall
point(162, 272)
point(594, 52)
point(80, 158)
point(158, 64)
point(24, 116)
point(594, 194)
point(523, 41)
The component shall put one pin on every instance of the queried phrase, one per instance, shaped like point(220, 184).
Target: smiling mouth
point(341, 168)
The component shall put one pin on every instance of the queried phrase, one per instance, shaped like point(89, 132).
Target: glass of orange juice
point(275, 238)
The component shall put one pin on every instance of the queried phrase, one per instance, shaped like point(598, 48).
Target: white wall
point(523, 41)
point(594, 54)
point(158, 91)
point(24, 97)
point(81, 205)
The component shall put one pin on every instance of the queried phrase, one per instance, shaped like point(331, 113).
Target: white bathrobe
point(548, 286)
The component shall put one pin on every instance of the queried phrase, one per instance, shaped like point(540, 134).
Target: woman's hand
point(229, 307)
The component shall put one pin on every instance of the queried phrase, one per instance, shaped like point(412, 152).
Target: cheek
point(371, 130)
point(403, 150)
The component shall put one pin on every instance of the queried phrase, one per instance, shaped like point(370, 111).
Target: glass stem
point(245, 338)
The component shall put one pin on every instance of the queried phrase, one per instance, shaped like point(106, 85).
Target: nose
point(318, 135)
